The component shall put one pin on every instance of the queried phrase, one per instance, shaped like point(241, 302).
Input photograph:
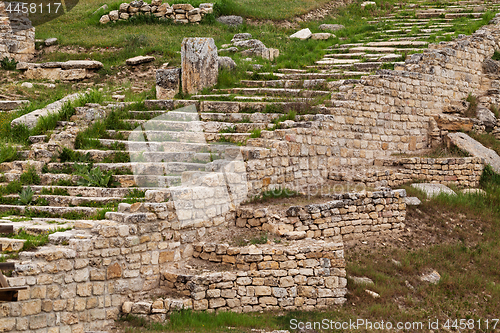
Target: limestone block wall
point(17, 36)
point(303, 275)
point(349, 216)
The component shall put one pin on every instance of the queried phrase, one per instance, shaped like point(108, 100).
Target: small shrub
point(26, 196)
point(230, 129)
point(94, 177)
point(69, 155)
point(8, 64)
point(256, 133)
point(14, 187)
point(30, 177)
point(7, 153)
point(489, 177)
point(471, 110)
point(496, 56)
point(261, 239)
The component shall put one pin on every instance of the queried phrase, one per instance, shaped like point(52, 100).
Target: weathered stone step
point(63, 237)
point(457, 15)
point(278, 92)
point(256, 117)
point(165, 115)
point(11, 244)
point(381, 49)
point(360, 66)
point(143, 168)
point(99, 155)
point(320, 75)
point(41, 225)
point(87, 211)
point(68, 201)
point(332, 61)
point(167, 146)
point(306, 84)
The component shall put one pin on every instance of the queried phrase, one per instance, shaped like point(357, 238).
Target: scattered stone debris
point(230, 20)
point(50, 41)
point(408, 285)
point(72, 70)
point(139, 60)
point(412, 201)
point(473, 191)
point(302, 34)
point(247, 46)
point(432, 277)
point(396, 262)
point(28, 85)
point(226, 63)
point(322, 36)
point(368, 3)
point(118, 97)
point(432, 190)
point(372, 293)
point(331, 27)
point(362, 280)
point(102, 8)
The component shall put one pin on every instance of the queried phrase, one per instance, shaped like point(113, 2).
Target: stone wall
point(17, 36)
point(457, 171)
point(305, 276)
point(349, 216)
point(179, 13)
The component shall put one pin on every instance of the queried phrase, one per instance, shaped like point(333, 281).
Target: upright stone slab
point(167, 83)
point(200, 65)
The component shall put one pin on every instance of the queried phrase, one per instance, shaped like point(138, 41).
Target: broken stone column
point(200, 66)
point(167, 83)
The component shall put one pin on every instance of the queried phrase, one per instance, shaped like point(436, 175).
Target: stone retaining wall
point(17, 36)
point(351, 216)
point(304, 276)
point(179, 13)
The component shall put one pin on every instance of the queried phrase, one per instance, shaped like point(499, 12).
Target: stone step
point(278, 92)
point(63, 237)
point(364, 66)
point(69, 201)
point(142, 168)
point(40, 225)
point(165, 115)
point(242, 118)
point(321, 75)
point(457, 15)
point(11, 244)
point(99, 155)
point(215, 127)
point(332, 61)
point(381, 49)
point(305, 84)
point(167, 146)
point(87, 211)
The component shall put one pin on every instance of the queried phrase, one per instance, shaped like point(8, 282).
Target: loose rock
point(231, 20)
point(302, 34)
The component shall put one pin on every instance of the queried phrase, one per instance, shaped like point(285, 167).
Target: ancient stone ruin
point(17, 36)
point(198, 164)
